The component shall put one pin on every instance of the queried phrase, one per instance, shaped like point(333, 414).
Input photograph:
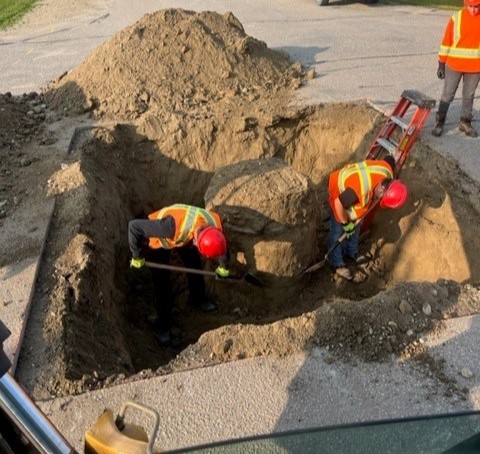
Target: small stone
point(409, 332)
point(466, 373)
point(426, 309)
point(311, 74)
point(404, 307)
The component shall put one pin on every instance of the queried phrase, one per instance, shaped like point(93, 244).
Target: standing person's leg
point(196, 283)
point(335, 231)
point(163, 294)
point(335, 258)
point(470, 84)
point(351, 244)
point(450, 86)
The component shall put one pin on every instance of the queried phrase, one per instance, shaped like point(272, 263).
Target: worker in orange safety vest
point(352, 190)
point(459, 58)
point(193, 232)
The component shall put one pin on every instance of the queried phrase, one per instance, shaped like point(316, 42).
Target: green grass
point(443, 4)
point(11, 11)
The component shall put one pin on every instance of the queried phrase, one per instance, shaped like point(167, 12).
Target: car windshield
point(454, 433)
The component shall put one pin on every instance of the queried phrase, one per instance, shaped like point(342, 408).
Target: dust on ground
point(140, 136)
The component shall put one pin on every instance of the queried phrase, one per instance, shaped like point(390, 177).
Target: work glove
point(137, 263)
point(222, 272)
point(349, 229)
point(441, 70)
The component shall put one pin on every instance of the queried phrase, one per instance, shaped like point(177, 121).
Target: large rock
point(268, 210)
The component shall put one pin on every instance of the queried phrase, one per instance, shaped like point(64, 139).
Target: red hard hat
point(211, 243)
point(395, 195)
point(472, 2)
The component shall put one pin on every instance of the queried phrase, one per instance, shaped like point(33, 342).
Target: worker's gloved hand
point(349, 229)
point(137, 263)
point(222, 272)
point(441, 71)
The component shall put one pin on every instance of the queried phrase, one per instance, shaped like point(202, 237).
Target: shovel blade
point(254, 280)
point(315, 266)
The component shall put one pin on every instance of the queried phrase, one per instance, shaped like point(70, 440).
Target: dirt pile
point(176, 64)
point(167, 103)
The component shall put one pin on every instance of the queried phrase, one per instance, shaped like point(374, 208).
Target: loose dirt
point(148, 119)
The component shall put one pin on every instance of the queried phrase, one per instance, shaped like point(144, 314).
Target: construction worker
point(459, 58)
point(352, 191)
point(193, 232)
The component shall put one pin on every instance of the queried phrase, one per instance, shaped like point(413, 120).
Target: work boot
point(439, 124)
point(362, 259)
point(359, 259)
point(207, 306)
point(163, 338)
point(344, 272)
point(466, 127)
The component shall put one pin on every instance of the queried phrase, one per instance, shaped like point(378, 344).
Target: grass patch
point(443, 4)
point(11, 11)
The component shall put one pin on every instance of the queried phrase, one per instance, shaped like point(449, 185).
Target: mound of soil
point(164, 105)
point(177, 64)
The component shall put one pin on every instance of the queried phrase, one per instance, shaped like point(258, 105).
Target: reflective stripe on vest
point(453, 50)
point(192, 218)
point(364, 173)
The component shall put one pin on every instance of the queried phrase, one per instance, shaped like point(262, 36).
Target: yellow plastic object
point(105, 437)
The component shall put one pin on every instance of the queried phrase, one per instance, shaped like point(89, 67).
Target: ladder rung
point(390, 146)
point(399, 122)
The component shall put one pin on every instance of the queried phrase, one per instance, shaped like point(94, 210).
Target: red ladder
point(398, 135)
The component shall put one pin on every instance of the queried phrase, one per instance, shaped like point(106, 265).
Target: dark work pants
point(162, 283)
point(452, 80)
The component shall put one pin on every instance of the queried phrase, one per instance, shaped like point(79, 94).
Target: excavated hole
point(116, 174)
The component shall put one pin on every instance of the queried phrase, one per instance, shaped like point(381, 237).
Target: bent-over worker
point(193, 232)
point(352, 191)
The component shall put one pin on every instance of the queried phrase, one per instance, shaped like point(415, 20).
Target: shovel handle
point(250, 278)
point(318, 265)
point(180, 269)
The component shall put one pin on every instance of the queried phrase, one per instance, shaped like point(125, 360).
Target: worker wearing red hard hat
point(352, 191)
point(459, 59)
point(192, 231)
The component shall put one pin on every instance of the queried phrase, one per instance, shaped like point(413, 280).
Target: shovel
point(248, 277)
point(318, 265)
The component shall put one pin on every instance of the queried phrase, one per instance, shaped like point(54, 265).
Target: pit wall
point(127, 174)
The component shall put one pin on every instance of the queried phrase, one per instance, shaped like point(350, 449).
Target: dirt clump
point(149, 119)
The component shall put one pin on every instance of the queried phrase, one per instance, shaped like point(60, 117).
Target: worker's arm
point(342, 203)
point(140, 230)
point(340, 211)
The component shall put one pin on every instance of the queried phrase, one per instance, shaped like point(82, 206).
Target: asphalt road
point(368, 52)
point(358, 52)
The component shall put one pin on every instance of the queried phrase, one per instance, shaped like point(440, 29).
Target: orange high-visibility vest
point(460, 48)
point(187, 220)
point(362, 177)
